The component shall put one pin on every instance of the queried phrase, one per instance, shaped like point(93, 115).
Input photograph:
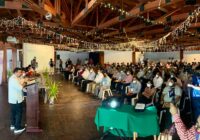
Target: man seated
point(96, 82)
point(171, 94)
point(121, 87)
point(79, 75)
point(120, 76)
point(105, 84)
point(88, 80)
point(84, 76)
point(148, 94)
point(178, 81)
point(133, 89)
point(140, 74)
point(158, 81)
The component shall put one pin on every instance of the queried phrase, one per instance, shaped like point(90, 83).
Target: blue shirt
point(135, 87)
point(106, 81)
point(15, 94)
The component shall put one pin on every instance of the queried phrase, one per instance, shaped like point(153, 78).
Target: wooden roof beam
point(141, 26)
point(57, 4)
point(14, 5)
point(78, 7)
point(136, 11)
point(91, 5)
point(157, 31)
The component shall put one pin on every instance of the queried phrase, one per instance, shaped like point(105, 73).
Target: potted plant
point(53, 91)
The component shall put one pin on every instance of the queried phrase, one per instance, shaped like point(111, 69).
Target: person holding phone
point(192, 133)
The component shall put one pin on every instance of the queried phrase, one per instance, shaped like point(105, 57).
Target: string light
point(181, 29)
point(123, 12)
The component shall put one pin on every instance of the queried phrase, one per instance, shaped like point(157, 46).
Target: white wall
point(162, 56)
point(117, 56)
point(64, 55)
point(191, 56)
point(43, 54)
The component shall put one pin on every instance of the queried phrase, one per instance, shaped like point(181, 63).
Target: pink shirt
point(128, 78)
point(183, 132)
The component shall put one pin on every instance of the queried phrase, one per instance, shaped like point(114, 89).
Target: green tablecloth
point(125, 118)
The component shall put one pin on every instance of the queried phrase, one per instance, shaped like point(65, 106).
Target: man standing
point(15, 99)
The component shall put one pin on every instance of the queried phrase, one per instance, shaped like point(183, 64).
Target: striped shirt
point(183, 132)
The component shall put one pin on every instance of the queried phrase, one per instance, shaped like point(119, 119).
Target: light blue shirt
point(15, 94)
point(135, 87)
point(106, 81)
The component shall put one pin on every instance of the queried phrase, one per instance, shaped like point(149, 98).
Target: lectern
point(32, 108)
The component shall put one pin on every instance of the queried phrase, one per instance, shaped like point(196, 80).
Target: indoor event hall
point(99, 69)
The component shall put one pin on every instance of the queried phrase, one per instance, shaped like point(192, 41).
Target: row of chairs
point(108, 91)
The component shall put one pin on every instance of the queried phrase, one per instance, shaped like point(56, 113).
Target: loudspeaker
point(190, 2)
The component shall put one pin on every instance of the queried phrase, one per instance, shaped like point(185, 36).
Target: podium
point(32, 108)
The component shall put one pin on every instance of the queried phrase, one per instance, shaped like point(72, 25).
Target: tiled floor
point(71, 118)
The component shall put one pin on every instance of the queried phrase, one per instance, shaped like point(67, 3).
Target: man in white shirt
point(90, 78)
point(15, 99)
point(157, 81)
point(97, 81)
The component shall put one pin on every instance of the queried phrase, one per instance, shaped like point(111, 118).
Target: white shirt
point(157, 82)
point(15, 94)
point(85, 74)
point(98, 78)
point(140, 74)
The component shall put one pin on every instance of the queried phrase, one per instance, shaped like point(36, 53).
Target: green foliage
point(9, 73)
point(53, 86)
point(53, 89)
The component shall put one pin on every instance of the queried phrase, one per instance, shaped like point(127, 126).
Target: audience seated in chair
point(133, 90)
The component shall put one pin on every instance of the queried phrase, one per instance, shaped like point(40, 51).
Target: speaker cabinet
point(190, 2)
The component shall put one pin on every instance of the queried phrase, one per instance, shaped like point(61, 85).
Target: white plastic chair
point(108, 91)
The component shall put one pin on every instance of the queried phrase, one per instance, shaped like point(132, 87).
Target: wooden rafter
point(78, 7)
point(15, 5)
point(91, 5)
point(141, 26)
point(135, 11)
point(58, 6)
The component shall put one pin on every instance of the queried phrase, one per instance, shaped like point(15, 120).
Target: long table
point(127, 121)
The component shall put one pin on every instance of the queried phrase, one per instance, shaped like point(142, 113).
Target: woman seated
point(148, 93)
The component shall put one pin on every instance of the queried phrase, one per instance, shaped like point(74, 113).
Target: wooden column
point(14, 58)
point(181, 55)
point(4, 78)
point(55, 60)
point(133, 57)
point(101, 58)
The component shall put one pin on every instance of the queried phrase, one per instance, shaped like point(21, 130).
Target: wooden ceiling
point(92, 21)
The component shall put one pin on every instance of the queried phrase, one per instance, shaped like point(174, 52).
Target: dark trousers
point(16, 115)
point(114, 85)
point(84, 85)
point(144, 100)
point(129, 97)
point(121, 87)
point(166, 121)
